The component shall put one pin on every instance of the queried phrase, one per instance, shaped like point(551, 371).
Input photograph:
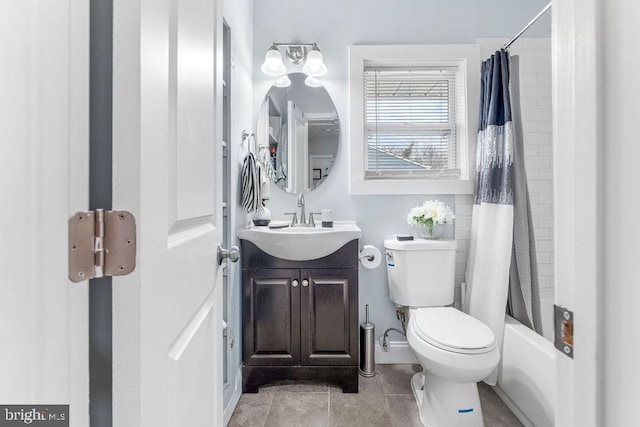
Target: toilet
point(455, 349)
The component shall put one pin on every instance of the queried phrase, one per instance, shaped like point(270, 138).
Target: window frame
point(467, 58)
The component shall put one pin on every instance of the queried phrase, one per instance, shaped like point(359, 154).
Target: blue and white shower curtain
point(502, 262)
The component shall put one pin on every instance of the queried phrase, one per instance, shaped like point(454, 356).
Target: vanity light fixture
point(296, 53)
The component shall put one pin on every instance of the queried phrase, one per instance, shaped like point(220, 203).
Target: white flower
point(431, 211)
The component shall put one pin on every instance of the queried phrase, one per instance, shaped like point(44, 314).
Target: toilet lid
point(453, 330)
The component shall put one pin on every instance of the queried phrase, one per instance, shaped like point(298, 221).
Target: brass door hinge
point(101, 243)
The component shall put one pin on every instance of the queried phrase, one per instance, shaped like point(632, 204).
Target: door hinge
point(101, 243)
point(563, 322)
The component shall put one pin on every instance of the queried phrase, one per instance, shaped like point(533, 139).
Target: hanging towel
point(267, 173)
point(251, 184)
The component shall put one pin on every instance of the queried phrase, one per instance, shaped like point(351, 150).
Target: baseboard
point(512, 406)
point(399, 353)
point(235, 397)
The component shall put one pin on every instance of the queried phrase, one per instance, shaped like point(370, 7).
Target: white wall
point(335, 25)
point(619, 88)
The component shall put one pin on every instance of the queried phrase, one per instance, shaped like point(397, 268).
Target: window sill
point(411, 186)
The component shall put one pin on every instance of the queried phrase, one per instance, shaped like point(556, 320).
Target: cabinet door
point(329, 317)
point(271, 317)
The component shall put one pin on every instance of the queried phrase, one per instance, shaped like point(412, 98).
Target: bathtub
point(526, 379)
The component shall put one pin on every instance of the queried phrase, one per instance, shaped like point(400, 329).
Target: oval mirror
point(299, 127)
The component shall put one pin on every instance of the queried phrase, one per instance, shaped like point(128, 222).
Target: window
point(410, 122)
point(411, 125)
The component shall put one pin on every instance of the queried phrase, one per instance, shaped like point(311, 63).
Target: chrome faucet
point(303, 215)
point(301, 206)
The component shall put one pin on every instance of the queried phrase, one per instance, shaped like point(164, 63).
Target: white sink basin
point(301, 243)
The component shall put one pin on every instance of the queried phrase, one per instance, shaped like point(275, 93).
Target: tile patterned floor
point(385, 400)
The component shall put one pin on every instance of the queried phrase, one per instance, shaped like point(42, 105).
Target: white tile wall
point(462, 224)
point(535, 90)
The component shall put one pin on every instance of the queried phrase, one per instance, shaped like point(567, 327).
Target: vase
point(263, 217)
point(431, 232)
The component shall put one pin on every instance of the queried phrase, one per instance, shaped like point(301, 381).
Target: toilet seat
point(452, 330)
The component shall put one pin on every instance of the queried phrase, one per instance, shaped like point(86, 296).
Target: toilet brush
point(367, 347)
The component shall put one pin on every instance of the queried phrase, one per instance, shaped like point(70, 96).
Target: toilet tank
point(421, 273)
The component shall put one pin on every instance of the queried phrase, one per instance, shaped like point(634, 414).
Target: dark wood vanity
point(300, 318)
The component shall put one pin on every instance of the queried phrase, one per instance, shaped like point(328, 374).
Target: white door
point(167, 315)
point(44, 180)
point(298, 149)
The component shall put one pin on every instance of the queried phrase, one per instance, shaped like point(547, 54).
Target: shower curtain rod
point(517, 36)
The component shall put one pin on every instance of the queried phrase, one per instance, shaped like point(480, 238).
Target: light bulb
point(314, 60)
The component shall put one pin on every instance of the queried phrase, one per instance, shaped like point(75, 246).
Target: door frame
point(578, 182)
point(100, 197)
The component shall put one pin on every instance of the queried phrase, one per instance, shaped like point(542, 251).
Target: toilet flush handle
point(390, 262)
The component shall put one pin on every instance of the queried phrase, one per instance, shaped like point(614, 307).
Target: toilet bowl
point(455, 351)
point(452, 344)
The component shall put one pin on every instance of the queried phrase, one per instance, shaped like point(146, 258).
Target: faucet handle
point(311, 221)
point(294, 220)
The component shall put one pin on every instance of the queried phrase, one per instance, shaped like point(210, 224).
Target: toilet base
point(445, 403)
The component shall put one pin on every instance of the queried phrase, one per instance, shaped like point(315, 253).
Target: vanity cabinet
point(300, 318)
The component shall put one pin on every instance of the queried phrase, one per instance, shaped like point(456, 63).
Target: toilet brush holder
point(367, 347)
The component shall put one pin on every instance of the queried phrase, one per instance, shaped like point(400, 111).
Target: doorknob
point(232, 254)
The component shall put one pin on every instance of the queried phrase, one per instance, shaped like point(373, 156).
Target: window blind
point(410, 122)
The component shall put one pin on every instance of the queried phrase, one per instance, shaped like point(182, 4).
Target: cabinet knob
point(294, 283)
point(305, 283)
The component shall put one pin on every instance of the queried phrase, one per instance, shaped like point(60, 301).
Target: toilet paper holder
point(369, 256)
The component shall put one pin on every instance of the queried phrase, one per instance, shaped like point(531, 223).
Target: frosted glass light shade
point(314, 66)
point(273, 65)
point(282, 81)
point(312, 81)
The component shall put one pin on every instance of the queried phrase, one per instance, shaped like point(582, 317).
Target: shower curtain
point(524, 295)
point(502, 262)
